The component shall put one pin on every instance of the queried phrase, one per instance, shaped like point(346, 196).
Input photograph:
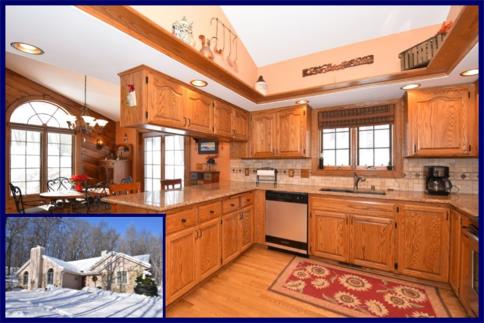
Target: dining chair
point(35, 208)
point(59, 184)
point(123, 189)
point(169, 184)
point(127, 180)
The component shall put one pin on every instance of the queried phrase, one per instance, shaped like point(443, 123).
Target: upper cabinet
point(280, 133)
point(223, 119)
point(240, 124)
point(159, 102)
point(442, 122)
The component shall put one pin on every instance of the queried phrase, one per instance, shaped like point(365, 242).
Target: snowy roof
point(66, 266)
point(143, 258)
point(85, 266)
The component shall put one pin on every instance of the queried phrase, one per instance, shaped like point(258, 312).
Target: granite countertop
point(166, 200)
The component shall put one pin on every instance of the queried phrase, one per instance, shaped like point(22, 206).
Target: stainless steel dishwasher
point(287, 221)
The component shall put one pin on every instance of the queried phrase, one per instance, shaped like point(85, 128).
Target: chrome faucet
point(356, 180)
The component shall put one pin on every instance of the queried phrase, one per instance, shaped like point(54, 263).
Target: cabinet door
point(263, 135)
point(455, 245)
point(372, 242)
point(423, 242)
point(199, 112)
point(246, 230)
point(292, 132)
point(222, 119)
point(133, 116)
point(180, 263)
point(240, 125)
point(208, 248)
point(230, 236)
point(166, 102)
point(329, 235)
point(439, 122)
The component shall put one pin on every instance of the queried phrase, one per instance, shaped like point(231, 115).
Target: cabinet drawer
point(246, 199)
point(231, 204)
point(209, 211)
point(373, 208)
point(180, 220)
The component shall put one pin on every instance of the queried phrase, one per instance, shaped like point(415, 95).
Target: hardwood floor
point(241, 290)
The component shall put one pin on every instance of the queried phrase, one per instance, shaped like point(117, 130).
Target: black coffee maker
point(437, 180)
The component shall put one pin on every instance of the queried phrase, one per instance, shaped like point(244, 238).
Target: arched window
point(50, 276)
point(41, 145)
point(26, 278)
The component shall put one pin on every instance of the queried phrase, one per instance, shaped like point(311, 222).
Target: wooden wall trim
point(463, 36)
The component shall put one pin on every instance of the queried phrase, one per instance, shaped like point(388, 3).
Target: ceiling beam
point(460, 40)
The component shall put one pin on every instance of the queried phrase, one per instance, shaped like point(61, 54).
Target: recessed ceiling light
point(471, 72)
point(199, 83)
point(27, 48)
point(302, 101)
point(410, 86)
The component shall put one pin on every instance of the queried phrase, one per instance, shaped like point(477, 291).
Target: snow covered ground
point(65, 302)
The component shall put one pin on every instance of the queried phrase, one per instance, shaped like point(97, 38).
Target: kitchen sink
point(350, 190)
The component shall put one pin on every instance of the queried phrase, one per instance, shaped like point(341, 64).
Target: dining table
point(72, 195)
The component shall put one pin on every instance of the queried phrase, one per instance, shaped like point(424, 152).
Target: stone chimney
point(103, 253)
point(36, 267)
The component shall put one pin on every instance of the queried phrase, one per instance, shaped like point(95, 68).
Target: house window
point(174, 157)
point(26, 278)
point(122, 277)
point(152, 147)
point(375, 145)
point(41, 146)
point(336, 146)
point(164, 159)
point(359, 138)
point(50, 276)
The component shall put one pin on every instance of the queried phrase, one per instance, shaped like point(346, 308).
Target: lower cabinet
point(200, 239)
point(423, 242)
point(181, 262)
point(329, 235)
point(372, 242)
point(208, 248)
point(237, 233)
point(230, 239)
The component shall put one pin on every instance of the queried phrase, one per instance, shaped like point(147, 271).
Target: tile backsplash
point(464, 174)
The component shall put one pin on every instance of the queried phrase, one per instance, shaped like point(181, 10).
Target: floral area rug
point(356, 294)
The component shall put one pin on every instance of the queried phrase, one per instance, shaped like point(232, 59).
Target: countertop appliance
point(266, 175)
point(287, 221)
point(437, 180)
point(470, 267)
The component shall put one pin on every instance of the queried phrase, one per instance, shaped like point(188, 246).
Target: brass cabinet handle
point(201, 233)
point(183, 220)
point(185, 124)
point(212, 211)
point(232, 204)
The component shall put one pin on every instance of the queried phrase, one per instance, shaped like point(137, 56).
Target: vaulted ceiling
point(276, 33)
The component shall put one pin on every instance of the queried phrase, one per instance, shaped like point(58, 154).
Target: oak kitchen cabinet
point(358, 232)
point(442, 122)
point(166, 104)
point(281, 133)
point(423, 241)
point(203, 237)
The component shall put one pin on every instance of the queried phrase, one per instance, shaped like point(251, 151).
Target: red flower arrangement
point(78, 181)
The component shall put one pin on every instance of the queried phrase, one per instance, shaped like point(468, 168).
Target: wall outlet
point(247, 171)
point(290, 172)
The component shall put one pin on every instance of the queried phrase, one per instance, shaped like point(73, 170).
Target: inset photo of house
point(84, 266)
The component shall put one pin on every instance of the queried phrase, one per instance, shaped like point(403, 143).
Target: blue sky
point(120, 224)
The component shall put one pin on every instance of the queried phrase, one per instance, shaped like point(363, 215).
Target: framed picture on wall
point(207, 147)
